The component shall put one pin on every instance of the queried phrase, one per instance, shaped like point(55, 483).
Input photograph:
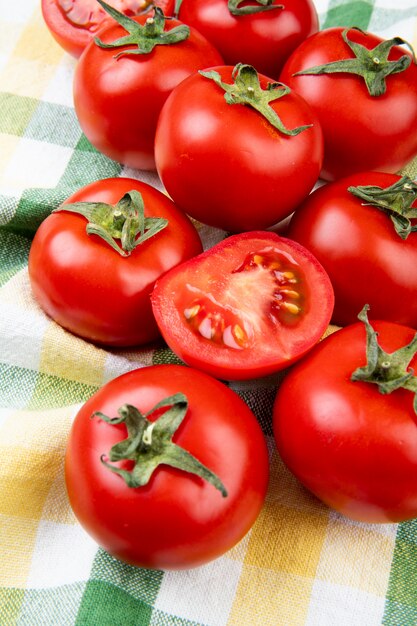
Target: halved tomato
point(247, 307)
point(74, 23)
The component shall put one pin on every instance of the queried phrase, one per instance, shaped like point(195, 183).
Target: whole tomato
point(120, 86)
point(247, 307)
point(90, 285)
point(74, 23)
point(364, 91)
point(178, 479)
point(345, 421)
point(362, 230)
point(235, 150)
point(262, 34)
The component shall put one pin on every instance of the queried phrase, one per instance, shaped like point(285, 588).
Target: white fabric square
point(332, 604)
point(4, 415)
point(17, 12)
point(59, 89)
point(21, 336)
point(37, 164)
point(63, 554)
point(200, 594)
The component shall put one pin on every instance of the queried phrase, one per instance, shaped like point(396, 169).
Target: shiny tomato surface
point(177, 520)
point(118, 99)
point(248, 307)
point(87, 287)
point(225, 164)
point(263, 39)
point(367, 261)
point(361, 132)
point(352, 446)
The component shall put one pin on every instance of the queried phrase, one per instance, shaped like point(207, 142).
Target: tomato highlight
point(345, 421)
point(180, 441)
point(94, 261)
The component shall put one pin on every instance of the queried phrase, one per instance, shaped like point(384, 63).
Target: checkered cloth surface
point(301, 564)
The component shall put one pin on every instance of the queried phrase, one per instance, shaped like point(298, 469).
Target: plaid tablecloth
point(300, 564)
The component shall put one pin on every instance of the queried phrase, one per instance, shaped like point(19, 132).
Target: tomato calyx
point(149, 443)
point(389, 371)
point(247, 9)
point(395, 200)
point(372, 65)
point(124, 222)
point(144, 36)
point(246, 90)
point(259, 6)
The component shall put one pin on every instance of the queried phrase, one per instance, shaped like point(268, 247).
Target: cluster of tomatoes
point(241, 107)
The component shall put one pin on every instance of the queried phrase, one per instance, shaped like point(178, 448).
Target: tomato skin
point(367, 261)
point(177, 520)
point(74, 38)
point(117, 101)
point(361, 132)
point(353, 447)
point(87, 287)
point(264, 40)
point(250, 181)
point(216, 281)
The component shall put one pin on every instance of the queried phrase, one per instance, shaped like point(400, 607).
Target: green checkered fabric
point(301, 564)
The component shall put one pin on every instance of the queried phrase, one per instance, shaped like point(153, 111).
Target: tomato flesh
point(89, 14)
point(245, 308)
point(74, 23)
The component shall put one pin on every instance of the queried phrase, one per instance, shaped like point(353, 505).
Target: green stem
point(149, 444)
point(389, 371)
point(246, 89)
point(396, 201)
point(124, 222)
point(371, 65)
point(258, 6)
point(145, 37)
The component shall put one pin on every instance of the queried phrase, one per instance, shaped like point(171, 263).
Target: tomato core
point(275, 272)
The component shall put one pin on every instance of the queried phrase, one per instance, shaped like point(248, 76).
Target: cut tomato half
point(248, 307)
point(74, 23)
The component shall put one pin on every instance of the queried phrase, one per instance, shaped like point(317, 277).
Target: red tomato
point(90, 289)
point(246, 308)
point(357, 244)
point(225, 164)
point(352, 446)
point(361, 131)
point(117, 99)
point(264, 38)
point(178, 519)
point(74, 23)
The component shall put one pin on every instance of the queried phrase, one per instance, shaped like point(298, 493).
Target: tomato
point(247, 307)
point(352, 445)
point(87, 286)
point(222, 158)
point(361, 131)
point(173, 519)
point(119, 92)
point(258, 33)
point(358, 245)
point(74, 23)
